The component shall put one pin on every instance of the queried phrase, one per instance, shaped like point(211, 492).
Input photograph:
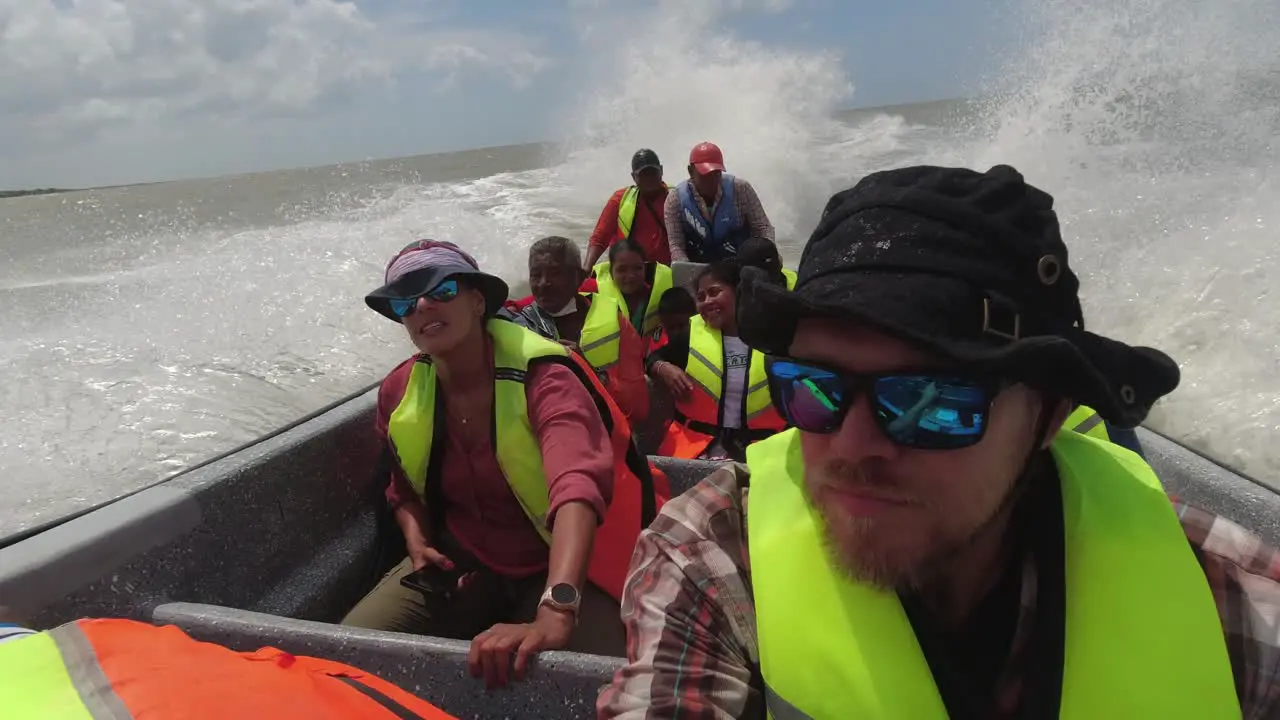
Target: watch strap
point(549, 600)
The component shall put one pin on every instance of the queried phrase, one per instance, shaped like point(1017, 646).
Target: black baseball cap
point(644, 159)
point(969, 266)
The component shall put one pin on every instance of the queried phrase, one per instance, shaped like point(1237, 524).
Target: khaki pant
point(488, 600)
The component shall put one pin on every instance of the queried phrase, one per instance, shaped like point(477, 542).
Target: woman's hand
point(678, 382)
point(491, 650)
point(423, 555)
point(411, 519)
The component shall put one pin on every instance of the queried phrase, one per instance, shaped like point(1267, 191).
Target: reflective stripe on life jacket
point(1086, 421)
point(112, 669)
point(601, 337)
point(715, 240)
point(659, 283)
point(413, 434)
point(700, 416)
point(1143, 634)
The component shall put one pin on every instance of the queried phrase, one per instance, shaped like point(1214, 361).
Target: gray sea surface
point(146, 328)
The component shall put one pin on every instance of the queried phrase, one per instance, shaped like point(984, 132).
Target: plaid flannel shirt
point(691, 628)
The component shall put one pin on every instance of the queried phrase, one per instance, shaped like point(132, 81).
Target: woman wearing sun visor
point(512, 474)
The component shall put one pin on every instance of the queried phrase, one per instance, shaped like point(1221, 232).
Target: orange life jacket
point(636, 483)
point(113, 668)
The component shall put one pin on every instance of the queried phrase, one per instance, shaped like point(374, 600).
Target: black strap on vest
point(1042, 685)
point(741, 435)
point(379, 697)
point(640, 199)
point(389, 547)
point(697, 426)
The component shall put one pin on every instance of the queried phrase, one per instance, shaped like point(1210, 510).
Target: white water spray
point(163, 326)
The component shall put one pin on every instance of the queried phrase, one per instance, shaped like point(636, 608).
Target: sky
point(98, 92)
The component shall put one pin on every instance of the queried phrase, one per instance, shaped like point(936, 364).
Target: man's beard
point(851, 542)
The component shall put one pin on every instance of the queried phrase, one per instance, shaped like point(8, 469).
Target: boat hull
point(272, 543)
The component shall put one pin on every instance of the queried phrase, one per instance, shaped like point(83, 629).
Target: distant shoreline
point(35, 191)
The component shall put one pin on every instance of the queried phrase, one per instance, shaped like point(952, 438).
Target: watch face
point(564, 594)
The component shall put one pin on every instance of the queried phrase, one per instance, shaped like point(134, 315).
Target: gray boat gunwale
point(271, 543)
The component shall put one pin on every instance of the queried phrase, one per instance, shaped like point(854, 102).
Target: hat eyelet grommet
point(1128, 395)
point(1049, 269)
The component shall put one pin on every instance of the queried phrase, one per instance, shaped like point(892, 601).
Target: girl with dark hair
point(721, 395)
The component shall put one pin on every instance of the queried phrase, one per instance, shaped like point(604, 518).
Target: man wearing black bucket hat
point(927, 542)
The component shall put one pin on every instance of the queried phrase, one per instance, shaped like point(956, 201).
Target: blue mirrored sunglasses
point(444, 292)
point(919, 410)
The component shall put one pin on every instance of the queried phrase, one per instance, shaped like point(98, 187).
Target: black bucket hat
point(970, 266)
point(424, 264)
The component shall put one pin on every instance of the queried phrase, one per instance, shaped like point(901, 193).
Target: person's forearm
point(752, 210)
point(764, 228)
point(675, 231)
point(571, 542)
point(675, 242)
point(593, 254)
point(675, 351)
point(412, 519)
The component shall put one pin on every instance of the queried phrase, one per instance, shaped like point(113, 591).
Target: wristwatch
point(562, 597)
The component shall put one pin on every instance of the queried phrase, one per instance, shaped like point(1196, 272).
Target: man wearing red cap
point(712, 213)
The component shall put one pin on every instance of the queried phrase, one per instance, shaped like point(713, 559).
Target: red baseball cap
point(706, 157)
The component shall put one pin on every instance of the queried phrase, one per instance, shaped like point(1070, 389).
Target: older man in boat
point(513, 476)
point(592, 324)
point(976, 561)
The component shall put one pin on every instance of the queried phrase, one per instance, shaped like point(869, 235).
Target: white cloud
point(76, 68)
point(504, 52)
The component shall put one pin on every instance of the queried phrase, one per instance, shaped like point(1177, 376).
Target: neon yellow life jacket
point(1086, 421)
point(791, 278)
point(1143, 636)
point(412, 424)
point(627, 210)
point(661, 283)
point(601, 339)
point(42, 663)
point(706, 368)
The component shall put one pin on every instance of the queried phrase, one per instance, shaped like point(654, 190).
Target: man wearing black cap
point(928, 541)
point(635, 212)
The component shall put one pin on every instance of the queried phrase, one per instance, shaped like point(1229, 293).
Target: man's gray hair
point(561, 248)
